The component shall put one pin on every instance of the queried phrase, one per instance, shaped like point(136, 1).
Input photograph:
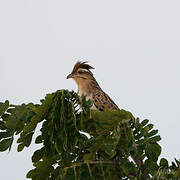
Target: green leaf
point(89, 156)
point(177, 174)
point(3, 107)
point(109, 148)
point(152, 151)
point(151, 166)
point(2, 125)
point(129, 168)
point(155, 139)
point(138, 136)
point(5, 144)
point(164, 163)
point(5, 116)
point(32, 173)
point(59, 146)
point(152, 133)
point(150, 126)
point(20, 147)
point(19, 127)
point(38, 155)
point(27, 139)
point(32, 124)
point(144, 122)
point(38, 139)
point(11, 122)
point(6, 134)
point(140, 150)
point(145, 130)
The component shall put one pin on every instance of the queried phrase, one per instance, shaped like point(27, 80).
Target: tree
point(79, 143)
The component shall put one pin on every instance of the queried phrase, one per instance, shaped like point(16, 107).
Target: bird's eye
point(81, 71)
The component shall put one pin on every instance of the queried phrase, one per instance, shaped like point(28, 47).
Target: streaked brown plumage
point(88, 86)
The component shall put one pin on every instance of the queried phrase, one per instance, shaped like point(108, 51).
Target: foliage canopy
point(78, 143)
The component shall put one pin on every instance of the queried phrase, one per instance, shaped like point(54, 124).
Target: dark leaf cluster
point(79, 143)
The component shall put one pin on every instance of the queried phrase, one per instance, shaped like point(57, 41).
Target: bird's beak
point(69, 76)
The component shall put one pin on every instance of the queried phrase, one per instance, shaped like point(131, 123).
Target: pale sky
point(133, 45)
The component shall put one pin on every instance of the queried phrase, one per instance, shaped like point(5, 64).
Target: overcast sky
point(133, 45)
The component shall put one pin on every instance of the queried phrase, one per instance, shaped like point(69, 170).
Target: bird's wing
point(103, 102)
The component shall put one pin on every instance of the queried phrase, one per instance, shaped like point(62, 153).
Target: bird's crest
point(82, 65)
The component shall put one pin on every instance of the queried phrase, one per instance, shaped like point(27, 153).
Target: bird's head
point(81, 71)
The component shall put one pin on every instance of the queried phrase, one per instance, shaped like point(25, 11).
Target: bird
point(88, 86)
